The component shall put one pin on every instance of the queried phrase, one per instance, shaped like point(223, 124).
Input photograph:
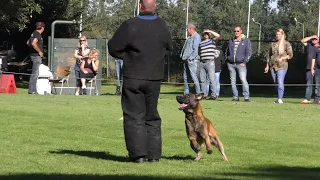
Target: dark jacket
point(142, 42)
point(219, 61)
point(243, 53)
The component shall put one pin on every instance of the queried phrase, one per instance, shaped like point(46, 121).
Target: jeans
point(278, 78)
point(207, 70)
point(242, 70)
point(309, 87)
point(78, 82)
point(36, 61)
point(217, 79)
point(317, 79)
point(119, 64)
point(190, 69)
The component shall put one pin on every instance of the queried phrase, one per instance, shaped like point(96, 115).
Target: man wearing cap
point(312, 43)
point(190, 56)
point(35, 44)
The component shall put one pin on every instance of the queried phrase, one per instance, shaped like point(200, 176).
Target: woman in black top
point(80, 53)
point(89, 67)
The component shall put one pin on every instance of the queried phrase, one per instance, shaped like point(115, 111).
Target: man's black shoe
point(213, 97)
point(138, 160)
point(153, 160)
point(246, 100)
point(235, 99)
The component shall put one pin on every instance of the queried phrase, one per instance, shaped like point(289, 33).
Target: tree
point(16, 14)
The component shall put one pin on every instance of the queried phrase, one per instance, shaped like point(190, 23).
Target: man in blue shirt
point(312, 43)
point(315, 71)
point(189, 55)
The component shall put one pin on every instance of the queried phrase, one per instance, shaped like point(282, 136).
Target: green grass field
point(68, 137)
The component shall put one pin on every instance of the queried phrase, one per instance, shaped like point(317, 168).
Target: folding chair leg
point(91, 87)
point(54, 87)
point(61, 87)
point(95, 86)
point(68, 87)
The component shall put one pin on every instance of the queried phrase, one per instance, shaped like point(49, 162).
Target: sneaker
point(246, 100)
point(235, 99)
point(76, 94)
point(305, 102)
point(279, 101)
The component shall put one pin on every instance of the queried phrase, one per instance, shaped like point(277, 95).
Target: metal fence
point(174, 68)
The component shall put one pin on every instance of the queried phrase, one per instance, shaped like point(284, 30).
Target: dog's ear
point(200, 96)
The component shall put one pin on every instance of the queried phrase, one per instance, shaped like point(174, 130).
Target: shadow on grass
point(267, 172)
point(92, 154)
point(100, 177)
point(279, 173)
point(108, 156)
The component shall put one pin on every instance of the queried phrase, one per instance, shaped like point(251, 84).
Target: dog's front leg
point(205, 135)
point(196, 147)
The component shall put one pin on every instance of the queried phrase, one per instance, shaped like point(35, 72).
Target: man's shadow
point(109, 156)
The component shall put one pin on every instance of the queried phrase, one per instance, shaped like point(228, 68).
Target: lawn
point(69, 137)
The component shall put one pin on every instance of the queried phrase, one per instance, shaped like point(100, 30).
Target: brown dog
point(199, 129)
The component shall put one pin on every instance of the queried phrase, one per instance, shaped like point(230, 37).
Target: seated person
point(89, 67)
point(43, 84)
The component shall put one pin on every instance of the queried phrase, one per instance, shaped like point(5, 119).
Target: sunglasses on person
point(236, 31)
point(83, 40)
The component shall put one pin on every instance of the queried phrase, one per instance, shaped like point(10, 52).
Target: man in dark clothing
point(142, 42)
point(35, 44)
point(312, 43)
point(238, 53)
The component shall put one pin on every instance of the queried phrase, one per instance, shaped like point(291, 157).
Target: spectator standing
point(238, 53)
point(312, 43)
point(142, 42)
point(35, 44)
point(119, 64)
point(279, 53)
point(189, 55)
point(80, 53)
point(208, 53)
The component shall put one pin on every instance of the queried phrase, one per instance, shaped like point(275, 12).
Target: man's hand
point(40, 54)
point(312, 72)
point(266, 69)
point(242, 64)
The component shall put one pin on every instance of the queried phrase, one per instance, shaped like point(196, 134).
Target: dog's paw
point(224, 158)
point(209, 151)
point(199, 156)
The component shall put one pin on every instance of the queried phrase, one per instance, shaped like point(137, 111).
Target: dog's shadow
point(109, 156)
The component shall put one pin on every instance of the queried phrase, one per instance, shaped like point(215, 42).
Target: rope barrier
point(177, 83)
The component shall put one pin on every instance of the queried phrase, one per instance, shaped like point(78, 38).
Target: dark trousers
point(142, 123)
point(317, 79)
point(309, 87)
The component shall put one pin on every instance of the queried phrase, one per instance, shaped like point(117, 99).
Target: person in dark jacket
point(142, 42)
point(238, 53)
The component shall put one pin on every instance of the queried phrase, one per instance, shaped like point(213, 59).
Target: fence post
point(107, 58)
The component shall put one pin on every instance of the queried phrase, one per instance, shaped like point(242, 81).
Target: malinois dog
point(199, 129)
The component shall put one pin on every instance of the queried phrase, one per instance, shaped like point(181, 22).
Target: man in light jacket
point(190, 56)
